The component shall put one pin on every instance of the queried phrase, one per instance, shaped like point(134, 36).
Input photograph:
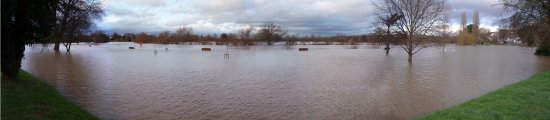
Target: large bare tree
point(419, 20)
point(75, 17)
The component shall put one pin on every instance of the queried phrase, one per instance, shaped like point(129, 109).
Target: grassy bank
point(30, 99)
point(526, 100)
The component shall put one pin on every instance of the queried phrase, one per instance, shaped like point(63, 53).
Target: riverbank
point(528, 99)
point(29, 99)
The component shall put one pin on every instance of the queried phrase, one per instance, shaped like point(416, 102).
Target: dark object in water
point(206, 49)
point(132, 48)
point(302, 49)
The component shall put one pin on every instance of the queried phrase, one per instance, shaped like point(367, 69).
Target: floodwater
point(275, 82)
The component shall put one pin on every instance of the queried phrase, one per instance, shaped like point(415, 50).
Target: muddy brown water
point(259, 82)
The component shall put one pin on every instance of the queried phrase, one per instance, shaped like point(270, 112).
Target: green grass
point(526, 100)
point(30, 99)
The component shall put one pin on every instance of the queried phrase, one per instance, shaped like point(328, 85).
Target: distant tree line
point(268, 33)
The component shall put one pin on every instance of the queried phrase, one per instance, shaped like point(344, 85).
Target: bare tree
point(475, 26)
point(116, 37)
point(184, 34)
point(129, 37)
point(476, 19)
point(443, 33)
point(389, 21)
point(376, 37)
point(185, 30)
point(420, 18)
point(164, 37)
point(271, 33)
point(246, 34)
point(463, 21)
point(290, 41)
point(75, 17)
point(99, 37)
point(141, 38)
point(531, 21)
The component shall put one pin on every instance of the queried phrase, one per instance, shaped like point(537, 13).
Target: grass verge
point(526, 100)
point(28, 98)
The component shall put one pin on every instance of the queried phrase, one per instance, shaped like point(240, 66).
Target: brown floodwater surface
point(275, 82)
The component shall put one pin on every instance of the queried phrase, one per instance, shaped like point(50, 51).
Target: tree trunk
point(387, 41)
point(68, 47)
point(12, 53)
point(410, 56)
point(56, 45)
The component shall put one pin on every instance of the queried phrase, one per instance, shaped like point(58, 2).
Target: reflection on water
point(260, 82)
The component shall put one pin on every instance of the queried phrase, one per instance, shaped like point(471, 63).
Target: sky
point(300, 17)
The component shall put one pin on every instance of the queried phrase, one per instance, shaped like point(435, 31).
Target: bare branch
point(419, 19)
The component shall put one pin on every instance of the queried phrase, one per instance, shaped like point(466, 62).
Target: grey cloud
point(146, 3)
point(302, 17)
point(489, 10)
point(120, 11)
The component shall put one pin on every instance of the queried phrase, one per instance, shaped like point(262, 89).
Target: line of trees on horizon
point(247, 36)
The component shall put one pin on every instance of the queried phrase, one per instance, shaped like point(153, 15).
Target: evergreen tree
point(24, 22)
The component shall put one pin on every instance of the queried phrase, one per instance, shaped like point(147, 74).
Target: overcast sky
point(303, 17)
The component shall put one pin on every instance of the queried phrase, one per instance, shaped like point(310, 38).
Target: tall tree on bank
point(24, 22)
point(271, 33)
point(475, 27)
point(75, 17)
point(463, 21)
point(420, 19)
point(531, 22)
point(476, 23)
point(468, 34)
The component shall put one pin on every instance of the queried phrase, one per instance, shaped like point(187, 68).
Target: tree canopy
point(24, 22)
point(531, 21)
